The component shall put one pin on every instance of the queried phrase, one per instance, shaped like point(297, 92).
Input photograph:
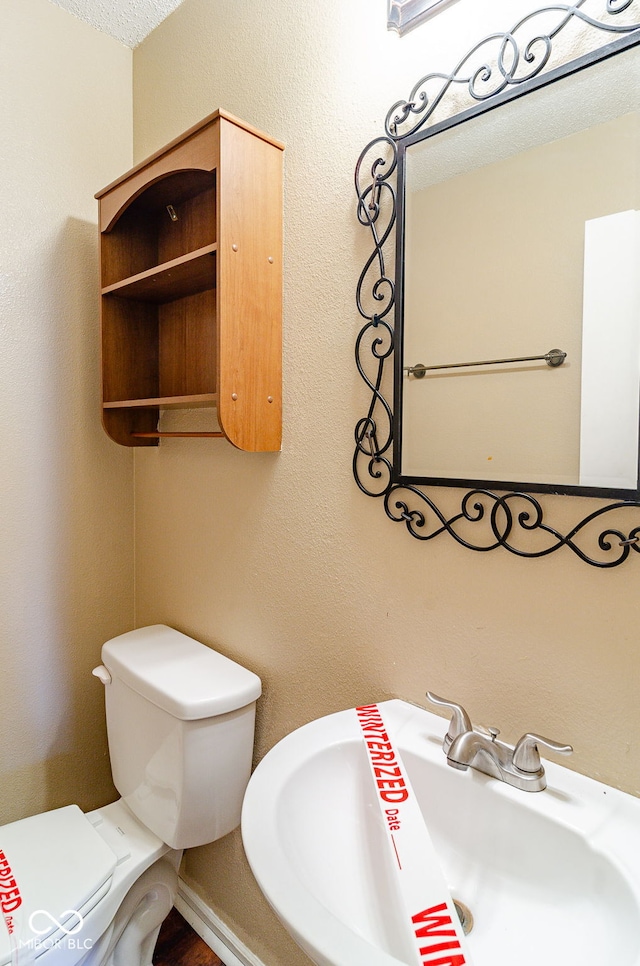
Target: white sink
point(550, 877)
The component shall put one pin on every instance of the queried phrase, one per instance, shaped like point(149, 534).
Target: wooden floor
point(179, 945)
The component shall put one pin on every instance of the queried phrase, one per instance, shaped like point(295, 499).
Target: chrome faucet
point(469, 747)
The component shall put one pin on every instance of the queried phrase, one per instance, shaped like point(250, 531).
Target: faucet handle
point(526, 756)
point(460, 721)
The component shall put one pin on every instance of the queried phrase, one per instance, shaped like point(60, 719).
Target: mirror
point(537, 211)
point(516, 297)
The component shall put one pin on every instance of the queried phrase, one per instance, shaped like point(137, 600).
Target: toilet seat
point(61, 857)
point(54, 869)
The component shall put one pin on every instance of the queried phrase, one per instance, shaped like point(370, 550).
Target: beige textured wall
point(66, 518)
point(278, 559)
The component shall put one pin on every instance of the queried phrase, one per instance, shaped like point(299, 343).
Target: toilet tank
point(180, 722)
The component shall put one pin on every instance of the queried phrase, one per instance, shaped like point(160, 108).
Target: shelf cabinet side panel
point(250, 289)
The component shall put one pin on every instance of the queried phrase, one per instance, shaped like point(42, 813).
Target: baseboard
point(217, 935)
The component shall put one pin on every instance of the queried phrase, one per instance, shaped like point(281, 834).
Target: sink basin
point(551, 877)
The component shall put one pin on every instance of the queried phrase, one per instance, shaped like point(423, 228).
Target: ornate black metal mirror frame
point(486, 519)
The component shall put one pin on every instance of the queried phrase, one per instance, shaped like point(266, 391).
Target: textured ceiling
point(129, 21)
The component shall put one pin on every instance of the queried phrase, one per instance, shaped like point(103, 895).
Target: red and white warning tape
point(10, 902)
point(432, 920)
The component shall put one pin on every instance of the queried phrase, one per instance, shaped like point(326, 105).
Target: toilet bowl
point(92, 889)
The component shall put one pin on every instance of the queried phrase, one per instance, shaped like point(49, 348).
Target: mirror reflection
point(522, 235)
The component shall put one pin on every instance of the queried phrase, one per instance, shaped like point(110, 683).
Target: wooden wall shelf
point(166, 402)
point(186, 275)
point(191, 261)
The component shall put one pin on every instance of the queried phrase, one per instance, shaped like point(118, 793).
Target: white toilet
point(93, 889)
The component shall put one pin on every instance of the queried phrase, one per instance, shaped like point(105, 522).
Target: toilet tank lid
point(178, 674)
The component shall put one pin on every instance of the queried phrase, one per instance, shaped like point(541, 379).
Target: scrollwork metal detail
point(499, 62)
point(503, 519)
point(485, 520)
point(375, 298)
